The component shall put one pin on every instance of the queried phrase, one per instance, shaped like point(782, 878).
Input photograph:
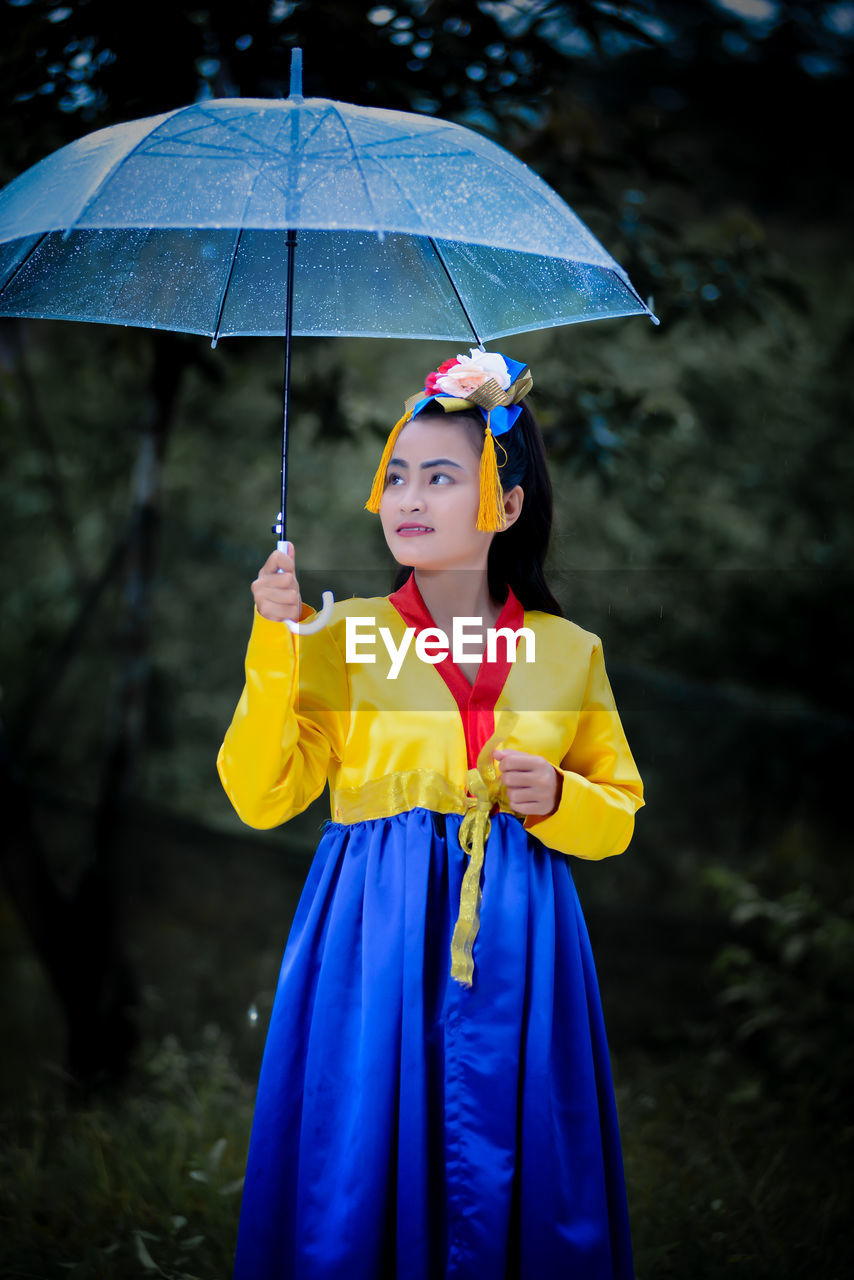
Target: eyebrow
point(425, 466)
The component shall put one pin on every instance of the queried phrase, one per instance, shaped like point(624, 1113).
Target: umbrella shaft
point(286, 398)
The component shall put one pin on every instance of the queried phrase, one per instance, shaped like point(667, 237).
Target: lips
point(412, 530)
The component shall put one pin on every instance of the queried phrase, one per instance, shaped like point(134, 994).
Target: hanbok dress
point(407, 1125)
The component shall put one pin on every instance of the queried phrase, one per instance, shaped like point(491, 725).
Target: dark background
point(703, 527)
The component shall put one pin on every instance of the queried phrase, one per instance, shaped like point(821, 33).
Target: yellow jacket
point(307, 717)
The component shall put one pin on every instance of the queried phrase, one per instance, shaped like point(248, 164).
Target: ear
point(513, 500)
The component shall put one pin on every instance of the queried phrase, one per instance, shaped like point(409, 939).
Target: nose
point(411, 498)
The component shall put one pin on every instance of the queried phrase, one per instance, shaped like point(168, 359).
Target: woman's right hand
point(276, 589)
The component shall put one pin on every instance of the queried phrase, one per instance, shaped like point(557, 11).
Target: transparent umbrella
point(239, 217)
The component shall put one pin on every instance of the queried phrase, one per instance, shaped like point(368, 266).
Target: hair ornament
point(483, 380)
point(493, 384)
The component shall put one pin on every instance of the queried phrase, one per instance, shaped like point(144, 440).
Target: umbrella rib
point(16, 272)
point(217, 150)
point(260, 160)
point(113, 167)
point(250, 193)
point(624, 280)
point(441, 131)
point(221, 308)
point(547, 198)
point(228, 125)
point(441, 257)
point(367, 147)
point(356, 157)
point(380, 161)
point(401, 189)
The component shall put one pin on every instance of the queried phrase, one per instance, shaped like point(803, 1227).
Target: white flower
point(492, 364)
point(470, 372)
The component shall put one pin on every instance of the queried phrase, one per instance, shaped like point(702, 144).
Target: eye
point(393, 478)
point(441, 477)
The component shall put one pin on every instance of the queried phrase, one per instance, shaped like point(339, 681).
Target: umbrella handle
point(324, 614)
point(317, 623)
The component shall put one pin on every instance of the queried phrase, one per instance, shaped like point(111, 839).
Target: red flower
point(430, 381)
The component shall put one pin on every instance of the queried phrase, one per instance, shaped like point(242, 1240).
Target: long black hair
point(517, 554)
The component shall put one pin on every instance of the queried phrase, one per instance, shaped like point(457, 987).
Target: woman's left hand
point(533, 785)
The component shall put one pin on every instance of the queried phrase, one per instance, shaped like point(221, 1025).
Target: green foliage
point(149, 1184)
point(784, 987)
point(702, 479)
point(738, 1144)
point(721, 1180)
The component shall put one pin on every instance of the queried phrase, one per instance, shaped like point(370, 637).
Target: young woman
point(435, 1098)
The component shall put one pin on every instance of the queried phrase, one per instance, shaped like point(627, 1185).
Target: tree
point(637, 115)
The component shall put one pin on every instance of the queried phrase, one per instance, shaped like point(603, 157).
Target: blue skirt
point(410, 1128)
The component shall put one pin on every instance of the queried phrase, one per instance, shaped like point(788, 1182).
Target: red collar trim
point(476, 702)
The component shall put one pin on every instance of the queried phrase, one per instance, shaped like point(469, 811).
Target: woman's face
point(432, 492)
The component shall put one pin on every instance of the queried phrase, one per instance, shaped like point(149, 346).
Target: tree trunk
point(79, 937)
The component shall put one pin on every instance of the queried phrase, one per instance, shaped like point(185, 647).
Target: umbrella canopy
point(409, 227)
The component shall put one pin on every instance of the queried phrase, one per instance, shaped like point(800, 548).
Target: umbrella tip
point(296, 74)
point(650, 308)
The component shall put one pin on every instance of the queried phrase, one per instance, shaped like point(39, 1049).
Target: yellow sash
point(484, 786)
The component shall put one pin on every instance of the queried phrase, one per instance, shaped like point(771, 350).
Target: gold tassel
point(377, 488)
point(490, 512)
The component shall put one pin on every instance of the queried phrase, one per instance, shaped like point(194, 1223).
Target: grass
point(732, 1083)
point(725, 1179)
point(728, 1180)
point(146, 1184)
